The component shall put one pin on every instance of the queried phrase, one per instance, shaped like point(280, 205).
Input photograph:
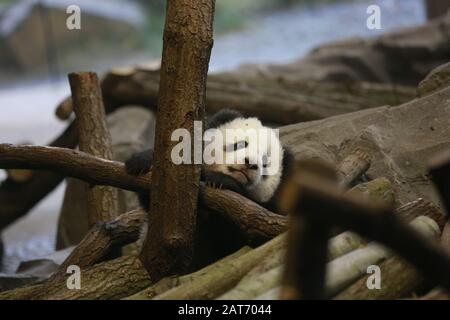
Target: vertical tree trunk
point(95, 139)
point(437, 8)
point(188, 39)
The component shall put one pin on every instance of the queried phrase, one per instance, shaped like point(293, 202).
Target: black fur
point(221, 117)
point(288, 168)
point(223, 181)
point(140, 163)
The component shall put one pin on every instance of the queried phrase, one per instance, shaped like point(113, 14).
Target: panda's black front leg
point(140, 163)
point(222, 181)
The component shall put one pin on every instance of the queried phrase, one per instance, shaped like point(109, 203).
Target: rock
point(437, 79)
point(131, 130)
point(33, 271)
point(13, 281)
point(401, 57)
point(400, 140)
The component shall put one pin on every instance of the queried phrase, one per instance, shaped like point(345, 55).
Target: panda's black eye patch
point(236, 146)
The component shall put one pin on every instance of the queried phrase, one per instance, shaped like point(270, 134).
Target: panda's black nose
point(250, 166)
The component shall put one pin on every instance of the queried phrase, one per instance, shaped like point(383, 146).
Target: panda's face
point(250, 153)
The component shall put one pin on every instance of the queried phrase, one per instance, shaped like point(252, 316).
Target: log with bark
point(114, 279)
point(188, 40)
point(319, 196)
point(272, 101)
point(101, 239)
point(398, 280)
point(13, 205)
point(267, 274)
point(95, 139)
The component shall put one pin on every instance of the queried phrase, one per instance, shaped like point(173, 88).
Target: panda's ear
point(222, 117)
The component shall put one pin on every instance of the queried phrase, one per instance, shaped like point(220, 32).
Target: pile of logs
point(331, 226)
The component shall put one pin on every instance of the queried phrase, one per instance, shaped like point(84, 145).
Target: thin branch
point(257, 223)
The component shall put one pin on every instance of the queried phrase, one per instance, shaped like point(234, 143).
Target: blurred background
point(37, 51)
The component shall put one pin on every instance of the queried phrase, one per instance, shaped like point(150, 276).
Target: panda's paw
point(139, 163)
point(214, 185)
point(218, 180)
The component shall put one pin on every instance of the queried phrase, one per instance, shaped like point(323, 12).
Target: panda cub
point(255, 168)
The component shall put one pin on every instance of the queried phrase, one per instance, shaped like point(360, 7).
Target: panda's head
point(250, 153)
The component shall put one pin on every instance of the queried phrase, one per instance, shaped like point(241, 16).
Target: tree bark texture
point(95, 139)
point(188, 39)
point(13, 204)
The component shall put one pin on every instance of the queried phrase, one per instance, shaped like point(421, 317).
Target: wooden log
point(353, 167)
point(378, 191)
point(376, 223)
point(94, 139)
point(168, 283)
point(103, 281)
point(421, 207)
point(71, 163)
point(212, 284)
point(268, 274)
point(188, 40)
point(398, 280)
point(101, 239)
point(308, 239)
point(271, 100)
point(256, 222)
point(13, 204)
point(351, 266)
point(263, 277)
point(345, 270)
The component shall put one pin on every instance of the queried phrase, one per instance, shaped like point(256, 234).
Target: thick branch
point(256, 222)
point(103, 281)
point(100, 239)
point(13, 204)
point(71, 163)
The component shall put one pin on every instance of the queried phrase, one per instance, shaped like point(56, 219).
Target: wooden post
point(308, 240)
point(94, 139)
point(188, 39)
